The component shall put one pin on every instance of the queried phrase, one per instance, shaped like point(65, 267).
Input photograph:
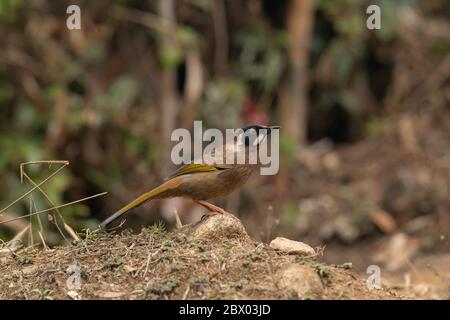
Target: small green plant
point(15, 274)
point(24, 260)
point(322, 270)
point(157, 228)
point(204, 257)
point(199, 284)
point(170, 284)
point(161, 287)
point(346, 265)
point(303, 260)
point(256, 256)
point(176, 265)
point(309, 296)
point(113, 263)
point(239, 284)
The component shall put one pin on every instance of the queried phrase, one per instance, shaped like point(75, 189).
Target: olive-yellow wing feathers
point(194, 168)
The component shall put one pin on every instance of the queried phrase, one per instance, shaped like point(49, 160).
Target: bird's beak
point(271, 128)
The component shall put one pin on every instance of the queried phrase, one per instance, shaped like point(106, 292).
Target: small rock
point(396, 252)
point(129, 269)
point(29, 270)
point(109, 294)
point(291, 246)
point(300, 280)
point(218, 227)
point(332, 162)
point(73, 295)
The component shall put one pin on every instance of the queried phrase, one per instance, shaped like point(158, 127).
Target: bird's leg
point(214, 208)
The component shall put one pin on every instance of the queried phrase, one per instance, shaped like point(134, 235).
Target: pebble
point(291, 246)
point(303, 281)
point(73, 294)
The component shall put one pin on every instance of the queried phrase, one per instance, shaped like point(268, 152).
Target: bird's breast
point(208, 185)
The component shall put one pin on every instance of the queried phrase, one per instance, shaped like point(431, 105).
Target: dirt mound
point(212, 259)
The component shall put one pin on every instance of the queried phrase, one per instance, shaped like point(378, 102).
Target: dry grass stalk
point(53, 218)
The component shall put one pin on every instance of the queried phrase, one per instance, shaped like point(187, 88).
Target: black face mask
point(253, 134)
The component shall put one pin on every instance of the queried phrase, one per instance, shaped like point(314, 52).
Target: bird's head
point(254, 135)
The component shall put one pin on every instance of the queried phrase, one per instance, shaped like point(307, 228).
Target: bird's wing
point(196, 168)
point(218, 154)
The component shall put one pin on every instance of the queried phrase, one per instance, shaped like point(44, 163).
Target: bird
point(205, 179)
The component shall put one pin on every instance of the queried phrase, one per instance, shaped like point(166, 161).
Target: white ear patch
point(259, 139)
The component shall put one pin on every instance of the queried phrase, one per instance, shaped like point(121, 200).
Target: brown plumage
point(200, 181)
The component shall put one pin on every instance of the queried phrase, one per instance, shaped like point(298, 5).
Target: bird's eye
point(240, 140)
point(250, 137)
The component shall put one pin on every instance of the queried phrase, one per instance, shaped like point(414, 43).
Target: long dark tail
point(152, 194)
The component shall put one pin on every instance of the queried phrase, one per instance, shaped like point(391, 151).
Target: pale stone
point(219, 227)
point(109, 294)
point(73, 294)
point(29, 270)
point(291, 246)
point(300, 280)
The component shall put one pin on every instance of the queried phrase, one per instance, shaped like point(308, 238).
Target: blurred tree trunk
point(293, 94)
point(169, 98)
point(194, 84)
point(220, 36)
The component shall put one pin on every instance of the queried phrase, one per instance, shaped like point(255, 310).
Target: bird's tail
point(152, 194)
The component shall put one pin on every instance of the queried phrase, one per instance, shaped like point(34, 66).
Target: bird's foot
point(215, 209)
